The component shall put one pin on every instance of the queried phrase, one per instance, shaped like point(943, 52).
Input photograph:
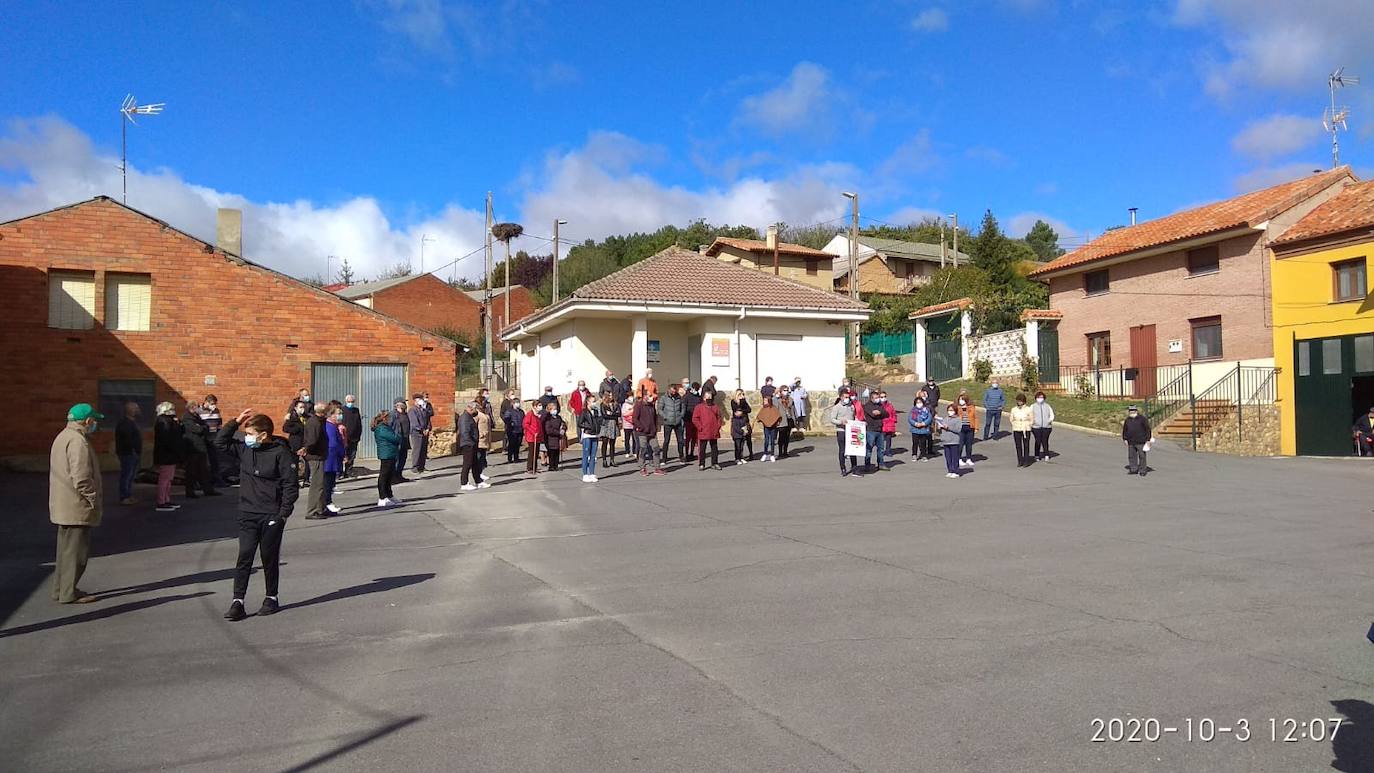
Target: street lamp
point(855, 345)
point(556, 223)
point(955, 215)
point(128, 109)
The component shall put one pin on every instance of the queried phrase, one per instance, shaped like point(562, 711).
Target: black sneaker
point(235, 612)
point(316, 517)
point(269, 607)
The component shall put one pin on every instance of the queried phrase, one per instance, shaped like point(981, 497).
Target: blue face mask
point(251, 441)
point(349, 403)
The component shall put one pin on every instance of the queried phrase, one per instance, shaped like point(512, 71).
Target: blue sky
point(352, 129)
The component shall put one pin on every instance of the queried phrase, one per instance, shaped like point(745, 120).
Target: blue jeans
point(589, 455)
point(873, 447)
point(128, 468)
point(887, 444)
point(993, 421)
point(770, 440)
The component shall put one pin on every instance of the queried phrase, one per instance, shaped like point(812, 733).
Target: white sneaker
point(772, 458)
point(744, 461)
point(951, 475)
point(584, 478)
point(469, 487)
point(592, 479)
point(383, 502)
point(486, 476)
point(483, 484)
point(333, 508)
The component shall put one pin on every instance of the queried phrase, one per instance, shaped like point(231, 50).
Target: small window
point(1304, 358)
point(812, 268)
point(115, 393)
point(1204, 260)
point(128, 301)
point(1364, 354)
point(1100, 350)
point(1350, 280)
point(1206, 338)
point(1331, 356)
point(1096, 282)
point(71, 300)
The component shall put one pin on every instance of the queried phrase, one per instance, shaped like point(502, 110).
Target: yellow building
point(1324, 323)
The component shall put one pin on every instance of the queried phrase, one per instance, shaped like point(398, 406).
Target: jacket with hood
point(706, 420)
point(671, 409)
point(74, 485)
point(267, 475)
point(169, 441)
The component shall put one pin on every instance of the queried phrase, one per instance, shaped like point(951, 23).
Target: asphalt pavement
point(768, 617)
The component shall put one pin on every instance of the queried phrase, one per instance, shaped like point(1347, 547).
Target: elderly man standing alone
point(74, 501)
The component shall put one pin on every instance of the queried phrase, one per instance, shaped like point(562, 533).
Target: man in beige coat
point(74, 501)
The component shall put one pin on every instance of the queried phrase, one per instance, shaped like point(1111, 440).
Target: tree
point(927, 231)
point(525, 270)
point(813, 236)
point(1044, 241)
point(396, 270)
point(345, 275)
point(315, 280)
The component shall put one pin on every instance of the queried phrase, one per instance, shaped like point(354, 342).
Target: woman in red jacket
point(706, 420)
point(889, 428)
point(534, 435)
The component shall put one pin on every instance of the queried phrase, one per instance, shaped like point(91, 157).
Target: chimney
point(1133, 210)
point(229, 231)
point(702, 248)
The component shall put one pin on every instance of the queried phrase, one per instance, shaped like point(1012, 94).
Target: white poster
point(855, 439)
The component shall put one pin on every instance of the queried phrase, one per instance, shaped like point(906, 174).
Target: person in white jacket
point(837, 416)
point(1042, 424)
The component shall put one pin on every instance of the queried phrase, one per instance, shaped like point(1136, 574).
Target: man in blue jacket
point(419, 433)
point(994, 400)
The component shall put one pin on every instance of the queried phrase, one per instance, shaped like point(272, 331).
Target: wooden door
point(1145, 358)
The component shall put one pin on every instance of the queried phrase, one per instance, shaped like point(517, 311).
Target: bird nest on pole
point(504, 232)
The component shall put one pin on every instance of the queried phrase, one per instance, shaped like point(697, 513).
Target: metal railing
point(1170, 399)
point(1244, 387)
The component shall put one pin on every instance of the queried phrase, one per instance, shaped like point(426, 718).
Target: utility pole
point(855, 343)
point(955, 215)
point(556, 223)
point(942, 243)
point(486, 380)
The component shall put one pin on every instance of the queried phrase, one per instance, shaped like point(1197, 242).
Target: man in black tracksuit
point(267, 495)
point(1135, 433)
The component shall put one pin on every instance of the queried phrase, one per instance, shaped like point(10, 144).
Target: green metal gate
point(944, 360)
point(1048, 345)
point(1325, 370)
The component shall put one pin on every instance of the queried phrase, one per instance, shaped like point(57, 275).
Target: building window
point(71, 300)
point(1204, 260)
point(1096, 282)
point(128, 301)
point(116, 393)
point(1331, 356)
point(1350, 280)
point(910, 268)
point(1099, 350)
point(1304, 358)
point(1206, 338)
point(1364, 354)
point(812, 268)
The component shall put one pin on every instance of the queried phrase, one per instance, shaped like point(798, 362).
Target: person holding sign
point(841, 416)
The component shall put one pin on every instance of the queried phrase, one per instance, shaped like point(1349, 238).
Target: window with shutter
point(71, 300)
point(128, 301)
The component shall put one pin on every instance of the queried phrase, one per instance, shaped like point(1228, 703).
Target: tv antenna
point(1334, 118)
point(128, 109)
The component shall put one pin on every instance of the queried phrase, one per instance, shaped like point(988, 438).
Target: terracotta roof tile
point(1351, 209)
point(758, 245)
point(1041, 314)
point(959, 304)
point(1249, 209)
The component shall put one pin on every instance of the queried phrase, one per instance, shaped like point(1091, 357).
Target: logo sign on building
point(855, 438)
point(655, 349)
point(720, 351)
point(1175, 345)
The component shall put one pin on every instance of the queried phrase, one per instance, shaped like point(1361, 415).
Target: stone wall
point(1002, 349)
point(1256, 435)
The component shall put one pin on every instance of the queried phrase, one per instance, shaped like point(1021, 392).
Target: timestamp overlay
point(1258, 741)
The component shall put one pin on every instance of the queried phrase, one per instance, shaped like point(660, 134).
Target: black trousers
point(513, 445)
point(198, 474)
point(260, 534)
point(469, 464)
point(668, 431)
point(784, 438)
point(1042, 441)
point(384, 478)
point(714, 445)
point(1022, 439)
point(853, 460)
point(607, 450)
point(554, 454)
point(400, 463)
point(920, 445)
point(740, 444)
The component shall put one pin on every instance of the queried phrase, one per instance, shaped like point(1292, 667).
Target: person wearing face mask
point(548, 398)
point(419, 433)
point(579, 398)
point(920, 420)
point(610, 384)
point(609, 429)
point(645, 421)
point(838, 416)
point(994, 400)
point(932, 395)
point(75, 498)
point(770, 418)
point(789, 420)
point(706, 421)
point(400, 424)
point(875, 416)
point(315, 451)
point(129, 451)
point(303, 396)
point(267, 495)
point(555, 435)
point(627, 426)
point(387, 442)
point(334, 457)
point(294, 427)
point(589, 433)
point(951, 427)
point(513, 417)
point(534, 436)
point(1136, 434)
point(671, 411)
point(197, 458)
point(1042, 423)
point(889, 428)
point(469, 438)
point(801, 405)
point(968, 414)
point(691, 398)
point(169, 450)
point(353, 429)
point(210, 416)
point(1022, 417)
point(741, 428)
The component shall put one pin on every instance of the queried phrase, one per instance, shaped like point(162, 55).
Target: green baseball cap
point(83, 411)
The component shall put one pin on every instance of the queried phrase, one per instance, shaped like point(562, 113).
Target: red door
point(1145, 358)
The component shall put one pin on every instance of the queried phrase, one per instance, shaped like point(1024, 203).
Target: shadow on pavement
point(379, 585)
point(381, 732)
point(98, 614)
point(1353, 746)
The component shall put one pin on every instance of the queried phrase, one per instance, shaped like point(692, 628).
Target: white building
point(685, 315)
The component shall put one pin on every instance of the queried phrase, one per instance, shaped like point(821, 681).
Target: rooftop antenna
point(1334, 118)
point(128, 109)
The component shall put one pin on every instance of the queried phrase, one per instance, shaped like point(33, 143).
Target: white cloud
point(992, 156)
point(909, 215)
point(1019, 225)
point(914, 156)
point(55, 164)
point(1277, 135)
point(931, 20)
point(1265, 177)
point(802, 103)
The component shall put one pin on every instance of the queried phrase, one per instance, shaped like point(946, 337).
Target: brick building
point(422, 300)
point(522, 304)
point(795, 261)
point(1193, 286)
point(106, 304)
point(890, 266)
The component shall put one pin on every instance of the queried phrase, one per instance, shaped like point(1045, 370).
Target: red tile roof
point(757, 245)
point(1349, 210)
point(955, 305)
point(1248, 210)
point(1041, 314)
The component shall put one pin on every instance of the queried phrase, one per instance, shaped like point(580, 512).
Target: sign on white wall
point(655, 350)
point(1175, 345)
point(720, 351)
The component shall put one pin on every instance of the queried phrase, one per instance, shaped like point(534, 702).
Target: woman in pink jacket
point(889, 424)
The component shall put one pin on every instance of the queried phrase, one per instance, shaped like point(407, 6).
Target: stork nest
point(504, 232)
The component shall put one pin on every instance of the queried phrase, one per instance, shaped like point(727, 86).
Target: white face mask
point(1040, 399)
point(554, 411)
point(963, 401)
point(994, 385)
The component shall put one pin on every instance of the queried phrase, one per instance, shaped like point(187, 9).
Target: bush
point(1083, 387)
point(1030, 374)
point(866, 355)
point(982, 370)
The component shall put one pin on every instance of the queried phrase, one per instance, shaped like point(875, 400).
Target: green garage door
point(1333, 382)
point(1047, 342)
